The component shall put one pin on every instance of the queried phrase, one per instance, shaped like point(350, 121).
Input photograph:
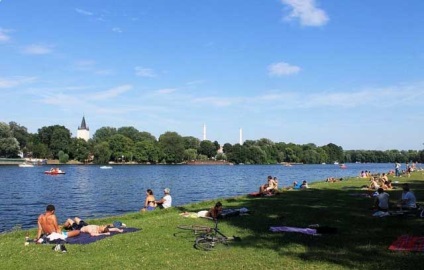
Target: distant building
point(83, 131)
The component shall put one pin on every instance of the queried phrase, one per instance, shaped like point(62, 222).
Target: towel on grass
point(294, 229)
point(408, 243)
point(86, 238)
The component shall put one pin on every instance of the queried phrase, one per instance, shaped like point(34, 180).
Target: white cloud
point(111, 93)
point(166, 91)
point(307, 12)
point(4, 37)
point(144, 72)
point(215, 101)
point(83, 12)
point(37, 49)
point(15, 81)
point(282, 69)
point(117, 30)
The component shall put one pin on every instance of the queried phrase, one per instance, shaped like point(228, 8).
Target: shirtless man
point(47, 224)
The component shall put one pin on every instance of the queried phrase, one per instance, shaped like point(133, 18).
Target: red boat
point(54, 171)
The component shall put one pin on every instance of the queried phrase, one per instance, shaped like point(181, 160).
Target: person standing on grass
point(166, 201)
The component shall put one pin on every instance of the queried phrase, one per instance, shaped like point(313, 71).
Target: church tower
point(83, 132)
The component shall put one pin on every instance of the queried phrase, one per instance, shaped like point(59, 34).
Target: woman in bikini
point(150, 202)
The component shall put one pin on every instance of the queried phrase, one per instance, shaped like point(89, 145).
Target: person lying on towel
point(93, 230)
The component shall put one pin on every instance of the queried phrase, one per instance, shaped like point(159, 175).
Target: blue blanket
point(86, 238)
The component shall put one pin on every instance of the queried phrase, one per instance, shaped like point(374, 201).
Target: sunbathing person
point(149, 202)
point(263, 188)
point(93, 230)
point(212, 213)
point(48, 226)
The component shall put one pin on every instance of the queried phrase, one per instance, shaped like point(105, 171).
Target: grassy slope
point(361, 243)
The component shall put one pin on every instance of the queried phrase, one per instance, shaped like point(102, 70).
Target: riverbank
point(361, 241)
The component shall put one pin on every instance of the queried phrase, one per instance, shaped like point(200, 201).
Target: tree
point(20, 133)
point(190, 154)
point(130, 132)
point(79, 149)
point(101, 153)
point(191, 142)
point(104, 134)
point(56, 138)
point(5, 131)
point(207, 148)
point(227, 148)
point(9, 147)
point(63, 158)
point(146, 151)
point(172, 146)
point(121, 145)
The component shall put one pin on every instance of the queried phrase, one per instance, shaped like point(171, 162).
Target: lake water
point(90, 192)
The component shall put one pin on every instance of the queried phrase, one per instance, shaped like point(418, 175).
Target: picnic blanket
point(227, 212)
point(408, 243)
point(86, 238)
point(317, 230)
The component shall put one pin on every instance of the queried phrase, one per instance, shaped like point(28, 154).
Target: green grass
point(361, 242)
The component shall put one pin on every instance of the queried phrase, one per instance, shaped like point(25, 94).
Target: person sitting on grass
point(408, 200)
point(304, 185)
point(149, 202)
point(166, 201)
point(48, 226)
point(263, 188)
point(382, 200)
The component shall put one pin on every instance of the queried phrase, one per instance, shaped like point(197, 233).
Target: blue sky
point(345, 72)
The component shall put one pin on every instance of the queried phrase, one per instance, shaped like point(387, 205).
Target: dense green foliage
point(127, 144)
point(361, 242)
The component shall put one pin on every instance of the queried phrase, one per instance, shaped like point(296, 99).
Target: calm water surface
point(91, 192)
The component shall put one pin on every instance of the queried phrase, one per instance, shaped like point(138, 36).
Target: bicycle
point(211, 239)
point(195, 228)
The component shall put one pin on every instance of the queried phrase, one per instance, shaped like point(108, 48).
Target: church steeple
point(83, 125)
point(83, 131)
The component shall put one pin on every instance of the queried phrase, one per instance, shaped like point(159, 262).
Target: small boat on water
point(54, 171)
point(26, 165)
point(343, 166)
point(106, 167)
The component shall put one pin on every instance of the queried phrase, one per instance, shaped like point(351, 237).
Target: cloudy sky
point(346, 72)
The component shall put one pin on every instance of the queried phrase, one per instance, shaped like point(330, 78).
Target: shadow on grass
point(361, 242)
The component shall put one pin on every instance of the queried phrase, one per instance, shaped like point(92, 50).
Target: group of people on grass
point(150, 203)
point(270, 187)
point(379, 181)
point(49, 229)
point(407, 201)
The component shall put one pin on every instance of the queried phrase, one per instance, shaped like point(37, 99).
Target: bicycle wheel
point(205, 243)
point(195, 228)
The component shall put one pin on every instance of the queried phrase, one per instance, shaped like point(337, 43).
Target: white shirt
point(383, 200)
point(168, 201)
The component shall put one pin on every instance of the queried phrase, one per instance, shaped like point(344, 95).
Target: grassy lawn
point(361, 242)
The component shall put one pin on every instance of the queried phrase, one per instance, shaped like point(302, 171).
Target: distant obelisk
point(204, 132)
point(241, 137)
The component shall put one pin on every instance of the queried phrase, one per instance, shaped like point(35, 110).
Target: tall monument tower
point(204, 132)
point(83, 131)
point(241, 137)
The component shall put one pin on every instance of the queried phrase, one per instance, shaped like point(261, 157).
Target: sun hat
point(167, 190)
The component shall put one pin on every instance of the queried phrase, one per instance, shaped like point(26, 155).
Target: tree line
point(127, 144)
